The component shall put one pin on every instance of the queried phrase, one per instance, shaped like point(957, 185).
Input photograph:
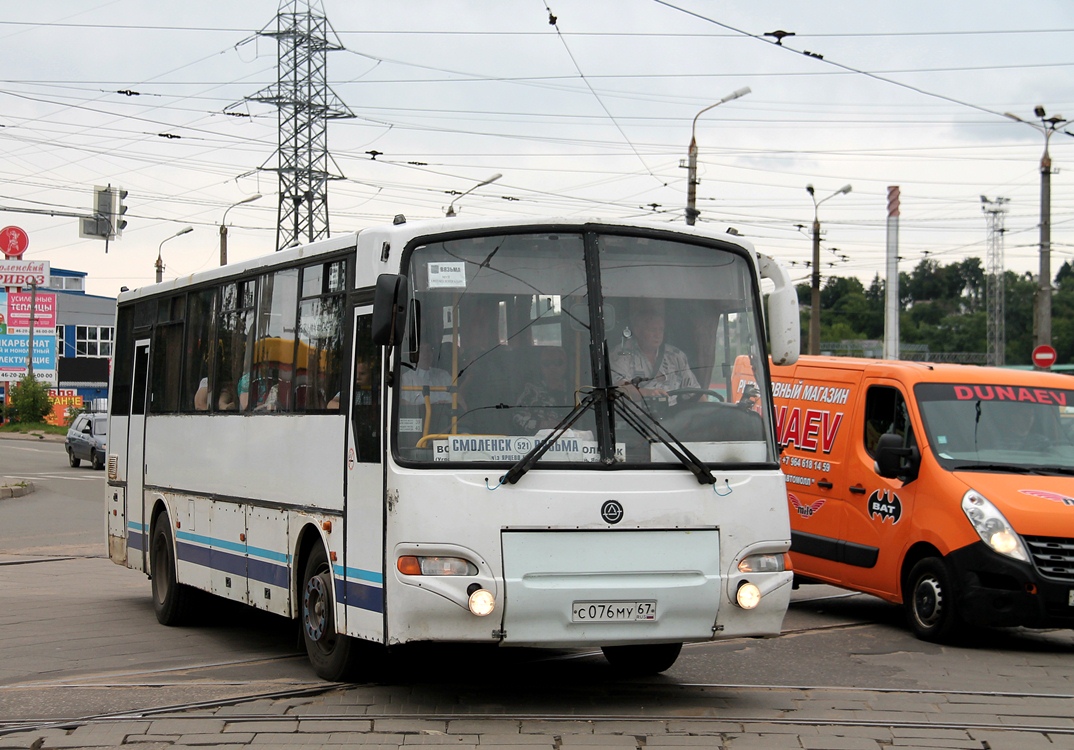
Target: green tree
point(29, 401)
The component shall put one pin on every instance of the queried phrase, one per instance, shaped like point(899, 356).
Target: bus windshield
point(631, 348)
point(974, 426)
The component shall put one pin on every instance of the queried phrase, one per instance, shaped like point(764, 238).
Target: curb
point(17, 491)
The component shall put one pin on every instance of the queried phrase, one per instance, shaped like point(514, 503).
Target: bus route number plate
point(613, 611)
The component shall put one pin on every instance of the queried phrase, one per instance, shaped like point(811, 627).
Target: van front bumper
point(997, 591)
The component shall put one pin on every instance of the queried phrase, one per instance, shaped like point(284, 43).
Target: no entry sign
point(1044, 356)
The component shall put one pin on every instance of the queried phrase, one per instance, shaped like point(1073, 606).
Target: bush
point(29, 401)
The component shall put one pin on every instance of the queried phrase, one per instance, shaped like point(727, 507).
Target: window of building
point(67, 283)
point(93, 341)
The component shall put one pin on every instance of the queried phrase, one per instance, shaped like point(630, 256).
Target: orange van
point(946, 488)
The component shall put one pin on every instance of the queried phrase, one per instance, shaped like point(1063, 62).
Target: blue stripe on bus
point(267, 554)
point(217, 554)
point(359, 595)
point(371, 576)
point(216, 559)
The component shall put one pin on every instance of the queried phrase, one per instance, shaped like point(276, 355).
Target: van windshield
point(998, 425)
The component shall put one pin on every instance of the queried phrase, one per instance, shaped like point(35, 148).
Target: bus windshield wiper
point(541, 447)
point(650, 428)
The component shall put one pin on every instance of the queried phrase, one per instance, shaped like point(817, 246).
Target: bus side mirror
point(389, 309)
point(893, 461)
point(784, 326)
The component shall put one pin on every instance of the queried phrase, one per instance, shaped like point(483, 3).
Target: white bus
point(528, 433)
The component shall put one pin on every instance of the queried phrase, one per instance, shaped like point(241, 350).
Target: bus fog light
point(748, 596)
point(482, 602)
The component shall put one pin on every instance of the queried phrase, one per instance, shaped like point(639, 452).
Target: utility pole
point(814, 302)
point(891, 285)
point(1042, 304)
point(997, 325)
point(691, 184)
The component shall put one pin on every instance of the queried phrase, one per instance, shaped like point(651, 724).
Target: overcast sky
point(589, 116)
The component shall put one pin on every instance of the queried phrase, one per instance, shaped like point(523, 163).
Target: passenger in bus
point(227, 400)
point(545, 400)
point(424, 374)
point(644, 365)
point(201, 396)
point(363, 386)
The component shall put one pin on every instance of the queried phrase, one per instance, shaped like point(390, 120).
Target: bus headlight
point(992, 527)
point(767, 563)
point(413, 565)
point(482, 602)
point(748, 595)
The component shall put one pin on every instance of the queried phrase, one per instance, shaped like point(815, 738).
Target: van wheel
point(171, 599)
point(98, 460)
point(72, 459)
point(929, 598)
point(334, 656)
point(642, 660)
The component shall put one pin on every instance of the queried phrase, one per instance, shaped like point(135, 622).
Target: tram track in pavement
point(681, 697)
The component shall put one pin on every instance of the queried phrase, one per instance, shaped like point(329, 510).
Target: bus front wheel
point(929, 598)
point(333, 655)
point(171, 599)
point(644, 659)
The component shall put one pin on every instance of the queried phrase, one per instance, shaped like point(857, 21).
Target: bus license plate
point(613, 611)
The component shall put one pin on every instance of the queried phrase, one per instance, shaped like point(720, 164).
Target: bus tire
point(333, 655)
point(644, 659)
point(929, 598)
point(171, 599)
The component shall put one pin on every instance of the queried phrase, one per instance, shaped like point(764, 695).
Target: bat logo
point(1055, 496)
point(804, 510)
point(885, 505)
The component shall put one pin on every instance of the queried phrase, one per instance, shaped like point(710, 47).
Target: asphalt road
point(79, 639)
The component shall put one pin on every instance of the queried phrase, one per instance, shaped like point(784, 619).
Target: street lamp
point(691, 185)
point(223, 226)
point(160, 263)
point(451, 206)
point(1042, 304)
point(814, 301)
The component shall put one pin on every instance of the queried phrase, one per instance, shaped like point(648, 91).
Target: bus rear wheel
point(644, 659)
point(333, 655)
point(171, 599)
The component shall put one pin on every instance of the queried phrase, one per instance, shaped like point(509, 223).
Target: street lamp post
point(814, 300)
point(691, 185)
point(451, 206)
point(160, 263)
point(1042, 303)
point(223, 226)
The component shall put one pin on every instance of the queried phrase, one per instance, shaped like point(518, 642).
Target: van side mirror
point(893, 461)
point(389, 309)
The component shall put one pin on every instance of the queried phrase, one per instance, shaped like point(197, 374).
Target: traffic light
point(107, 222)
point(118, 222)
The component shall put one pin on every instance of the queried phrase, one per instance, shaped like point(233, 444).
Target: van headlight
point(992, 527)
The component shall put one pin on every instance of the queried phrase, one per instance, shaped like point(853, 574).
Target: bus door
point(135, 468)
point(363, 568)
